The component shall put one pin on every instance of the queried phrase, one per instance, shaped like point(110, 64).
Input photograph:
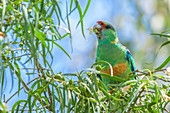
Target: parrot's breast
point(117, 69)
point(112, 53)
point(116, 55)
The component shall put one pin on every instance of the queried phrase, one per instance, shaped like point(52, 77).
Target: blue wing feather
point(130, 60)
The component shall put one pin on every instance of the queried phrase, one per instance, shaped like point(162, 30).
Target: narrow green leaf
point(163, 64)
point(108, 95)
point(72, 10)
point(59, 10)
point(38, 34)
point(64, 96)
point(69, 101)
point(10, 65)
point(81, 16)
point(36, 19)
point(50, 12)
point(56, 12)
point(53, 97)
point(36, 82)
point(79, 9)
point(88, 106)
point(165, 31)
point(3, 107)
point(160, 34)
point(156, 96)
point(60, 99)
point(93, 108)
point(29, 103)
point(17, 71)
point(75, 107)
point(46, 101)
point(19, 80)
point(3, 13)
point(44, 55)
point(16, 104)
point(17, 109)
point(42, 6)
point(93, 91)
point(68, 22)
point(30, 73)
point(29, 59)
point(26, 25)
point(56, 32)
point(71, 4)
point(12, 82)
point(23, 108)
point(164, 44)
point(65, 35)
point(165, 104)
point(128, 82)
point(62, 49)
point(101, 84)
point(105, 108)
point(95, 81)
point(32, 40)
point(2, 81)
point(87, 6)
point(114, 78)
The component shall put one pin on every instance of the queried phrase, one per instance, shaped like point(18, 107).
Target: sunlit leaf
point(3, 13)
point(16, 104)
point(160, 34)
point(164, 63)
point(59, 10)
point(62, 49)
point(87, 6)
point(68, 23)
point(81, 16)
point(39, 35)
point(164, 44)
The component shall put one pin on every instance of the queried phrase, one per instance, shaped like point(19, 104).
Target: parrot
point(111, 50)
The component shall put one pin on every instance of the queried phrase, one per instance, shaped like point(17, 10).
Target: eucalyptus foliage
point(28, 31)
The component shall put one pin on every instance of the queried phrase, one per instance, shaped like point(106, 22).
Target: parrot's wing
point(131, 60)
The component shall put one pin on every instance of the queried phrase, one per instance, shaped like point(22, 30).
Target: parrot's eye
point(107, 26)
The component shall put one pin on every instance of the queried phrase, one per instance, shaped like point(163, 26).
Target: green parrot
point(111, 50)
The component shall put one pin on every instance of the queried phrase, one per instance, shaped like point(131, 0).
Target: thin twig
point(146, 73)
point(19, 49)
point(21, 89)
point(166, 110)
point(36, 69)
point(162, 79)
point(4, 98)
point(20, 56)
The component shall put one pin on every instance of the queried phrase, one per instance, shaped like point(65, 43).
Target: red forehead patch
point(101, 23)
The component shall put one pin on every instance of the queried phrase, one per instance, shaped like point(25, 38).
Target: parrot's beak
point(97, 29)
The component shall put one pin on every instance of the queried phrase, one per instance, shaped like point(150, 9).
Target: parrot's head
point(105, 32)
